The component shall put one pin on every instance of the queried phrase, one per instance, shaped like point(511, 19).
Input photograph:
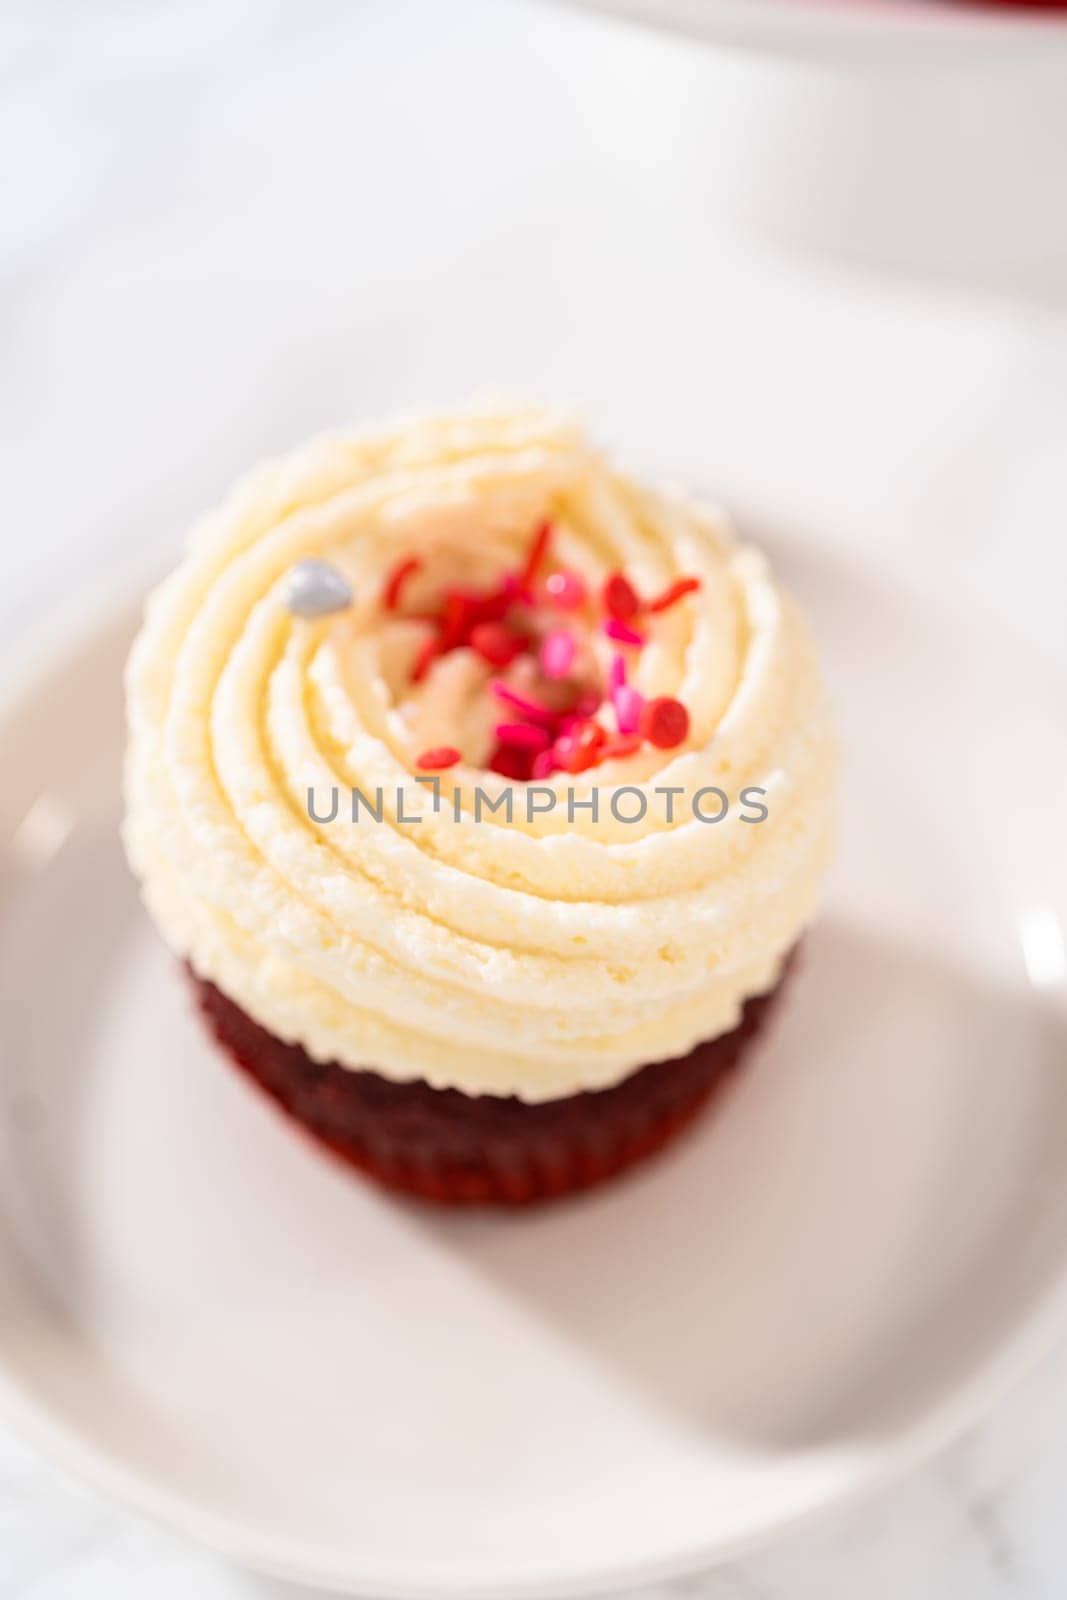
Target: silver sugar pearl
point(315, 589)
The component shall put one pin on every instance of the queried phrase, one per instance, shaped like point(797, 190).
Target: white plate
point(880, 31)
point(829, 1277)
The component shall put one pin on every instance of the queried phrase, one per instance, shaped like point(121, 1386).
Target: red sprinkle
point(535, 555)
point(579, 748)
point(459, 614)
point(397, 578)
point(674, 592)
point(495, 643)
point(621, 633)
point(437, 759)
point(566, 590)
point(664, 722)
point(494, 605)
point(617, 745)
point(621, 599)
point(512, 762)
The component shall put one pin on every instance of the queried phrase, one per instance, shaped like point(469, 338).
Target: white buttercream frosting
point(535, 957)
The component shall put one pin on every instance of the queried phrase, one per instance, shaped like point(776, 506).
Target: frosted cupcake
point(485, 793)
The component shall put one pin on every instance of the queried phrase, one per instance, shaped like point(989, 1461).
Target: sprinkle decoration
point(553, 717)
point(621, 599)
point(565, 590)
point(557, 653)
point(522, 736)
point(315, 588)
point(673, 593)
point(533, 709)
point(543, 765)
point(397, 579)
point(537, 552)
point(629, 705)
point(496, 643)
point(622, 634)
point(512, 763)
point(578, 749)
point(618, 745)
point(438, 759)
point(664, 722)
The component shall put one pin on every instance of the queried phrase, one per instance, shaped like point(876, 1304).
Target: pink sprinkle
point(557, 653)
point(566, 590)
point(588, 704)
point(621, 633)
point(628, 705)
point(522, 736)
point(616, 672)
point(529, 708)
point(544, 764)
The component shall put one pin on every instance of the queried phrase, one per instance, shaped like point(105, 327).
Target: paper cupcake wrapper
point(469, 1150)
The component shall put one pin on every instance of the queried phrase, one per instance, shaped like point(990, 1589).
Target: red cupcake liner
point(466, 1150)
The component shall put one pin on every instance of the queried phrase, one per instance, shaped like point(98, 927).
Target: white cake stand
point(917, 135)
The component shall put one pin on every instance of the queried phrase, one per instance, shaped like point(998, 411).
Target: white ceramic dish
point(862, 132)
point(880, 31)
point(831, 1276)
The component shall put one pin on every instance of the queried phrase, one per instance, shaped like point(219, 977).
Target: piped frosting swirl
point(536, 956)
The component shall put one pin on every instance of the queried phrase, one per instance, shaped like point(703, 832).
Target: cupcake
point(484, 793)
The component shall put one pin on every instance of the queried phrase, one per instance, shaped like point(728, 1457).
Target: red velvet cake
point(458, 1149)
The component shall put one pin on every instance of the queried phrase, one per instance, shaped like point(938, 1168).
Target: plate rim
point(887, 32)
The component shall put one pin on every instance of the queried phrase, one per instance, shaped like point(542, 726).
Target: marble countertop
point(228, 224)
